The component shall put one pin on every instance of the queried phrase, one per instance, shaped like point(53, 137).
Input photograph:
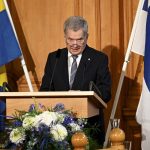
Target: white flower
point(46, 118)
point(25, 115)
point(59, 132)
point(17, 135)
point(61, 118)
point(28, 122)
point(74, 127)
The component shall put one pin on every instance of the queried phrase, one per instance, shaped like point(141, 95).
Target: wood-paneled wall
point(39, 24)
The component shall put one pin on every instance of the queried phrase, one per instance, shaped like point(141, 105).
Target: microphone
point(57, 57)
point(92, 86)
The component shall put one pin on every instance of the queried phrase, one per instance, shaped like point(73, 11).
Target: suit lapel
point(80, 75)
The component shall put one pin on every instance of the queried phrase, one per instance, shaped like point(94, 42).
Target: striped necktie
point(73, 70)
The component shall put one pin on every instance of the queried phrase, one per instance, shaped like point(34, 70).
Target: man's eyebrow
point(76, 39)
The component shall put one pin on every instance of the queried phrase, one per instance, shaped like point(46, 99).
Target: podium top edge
point(47, 94)
point(55, 94)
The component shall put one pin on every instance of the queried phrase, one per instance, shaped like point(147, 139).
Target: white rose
point(59, 132)
point(17, 135)
point(74, 127)
point(46, 118)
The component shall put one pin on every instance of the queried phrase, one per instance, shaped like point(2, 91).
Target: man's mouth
point(75, 47)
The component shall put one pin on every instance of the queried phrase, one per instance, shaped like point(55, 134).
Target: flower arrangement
point(45, 128)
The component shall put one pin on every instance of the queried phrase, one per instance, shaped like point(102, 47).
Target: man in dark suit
point(73, 67)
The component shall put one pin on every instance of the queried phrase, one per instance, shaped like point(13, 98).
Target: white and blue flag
point(141, 45)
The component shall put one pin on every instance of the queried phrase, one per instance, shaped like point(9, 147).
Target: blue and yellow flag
point(9, 47)
point(3, 75)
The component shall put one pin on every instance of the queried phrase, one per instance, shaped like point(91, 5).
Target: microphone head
point(93, 87)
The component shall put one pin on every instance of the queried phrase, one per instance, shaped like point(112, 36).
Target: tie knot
point(74, 57)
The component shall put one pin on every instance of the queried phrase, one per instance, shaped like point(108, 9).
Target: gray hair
point(76, 23)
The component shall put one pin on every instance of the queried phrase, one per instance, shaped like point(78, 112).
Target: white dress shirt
point(70, 61)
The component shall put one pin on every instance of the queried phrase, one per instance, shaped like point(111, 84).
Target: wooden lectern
point(85, 103)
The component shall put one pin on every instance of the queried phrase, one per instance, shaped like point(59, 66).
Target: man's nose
point(74, 41)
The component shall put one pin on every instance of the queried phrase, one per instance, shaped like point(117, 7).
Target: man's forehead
point(72, 33)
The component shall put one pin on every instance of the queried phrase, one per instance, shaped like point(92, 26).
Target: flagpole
point(22, 57)
point(126, 61)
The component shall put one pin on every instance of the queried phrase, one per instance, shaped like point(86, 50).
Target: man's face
point(75, 41)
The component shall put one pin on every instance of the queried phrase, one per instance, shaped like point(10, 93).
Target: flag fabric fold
point(141, 45)
point(9, 47)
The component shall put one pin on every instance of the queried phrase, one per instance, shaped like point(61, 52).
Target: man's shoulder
point(58, 52)
point(94, 52)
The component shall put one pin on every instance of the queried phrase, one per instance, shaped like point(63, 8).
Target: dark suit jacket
point(93, 67)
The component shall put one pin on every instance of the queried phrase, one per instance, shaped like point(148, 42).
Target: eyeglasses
point(75, 41)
